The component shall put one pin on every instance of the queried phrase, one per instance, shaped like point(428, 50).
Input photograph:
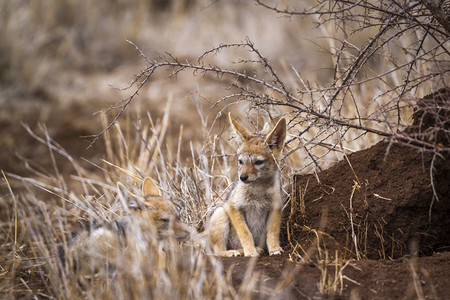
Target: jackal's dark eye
point(240, 162)
point(165, 220)
point(259, 162)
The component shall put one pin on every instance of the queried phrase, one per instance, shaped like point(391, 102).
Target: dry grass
point(49, 209)
point(332, 278)
point(331, 267)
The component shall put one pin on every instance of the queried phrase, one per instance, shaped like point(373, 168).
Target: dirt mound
point(382, 202)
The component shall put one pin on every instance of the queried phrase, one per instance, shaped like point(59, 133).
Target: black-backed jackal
point(251, 215)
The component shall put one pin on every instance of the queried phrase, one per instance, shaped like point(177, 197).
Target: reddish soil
point(392, 209)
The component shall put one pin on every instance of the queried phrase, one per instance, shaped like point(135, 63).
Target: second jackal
point(152, 220)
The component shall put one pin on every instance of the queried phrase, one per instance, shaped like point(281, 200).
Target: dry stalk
point(379, 232)
point(297, 200)
point(332, 284)
point(416, 279)
point(354, 237)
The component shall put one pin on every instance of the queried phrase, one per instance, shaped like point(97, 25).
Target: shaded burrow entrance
point(384, 202)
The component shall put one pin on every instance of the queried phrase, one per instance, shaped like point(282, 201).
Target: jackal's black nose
point(243, 177)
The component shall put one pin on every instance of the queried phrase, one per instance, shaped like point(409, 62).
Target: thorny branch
point(422, 23)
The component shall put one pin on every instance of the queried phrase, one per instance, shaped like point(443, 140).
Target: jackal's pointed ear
point(149, 188)
point(242, 133)
point(275, 139)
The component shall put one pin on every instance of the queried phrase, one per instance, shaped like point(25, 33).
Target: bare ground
point(403, 278)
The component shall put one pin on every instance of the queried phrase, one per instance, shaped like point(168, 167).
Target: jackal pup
point(152, 219)
point(251, 215)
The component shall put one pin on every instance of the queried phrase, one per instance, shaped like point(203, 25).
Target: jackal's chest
point(256, 203)
point(256, 218)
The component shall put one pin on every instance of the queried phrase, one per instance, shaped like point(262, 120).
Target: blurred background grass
point(60, 58)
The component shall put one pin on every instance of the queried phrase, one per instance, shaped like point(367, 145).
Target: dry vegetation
point(345, 74)
point(43, 222)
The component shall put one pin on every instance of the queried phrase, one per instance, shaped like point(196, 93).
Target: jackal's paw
point(276, 251)
point(231, 253)
point(259, 250)
point(253, 252)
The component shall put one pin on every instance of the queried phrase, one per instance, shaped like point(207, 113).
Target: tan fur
point(161, 212)
point(152, 219)
point(251, 215)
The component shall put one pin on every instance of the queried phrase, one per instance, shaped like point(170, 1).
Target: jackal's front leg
point(273, 232)
point(245, 236)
